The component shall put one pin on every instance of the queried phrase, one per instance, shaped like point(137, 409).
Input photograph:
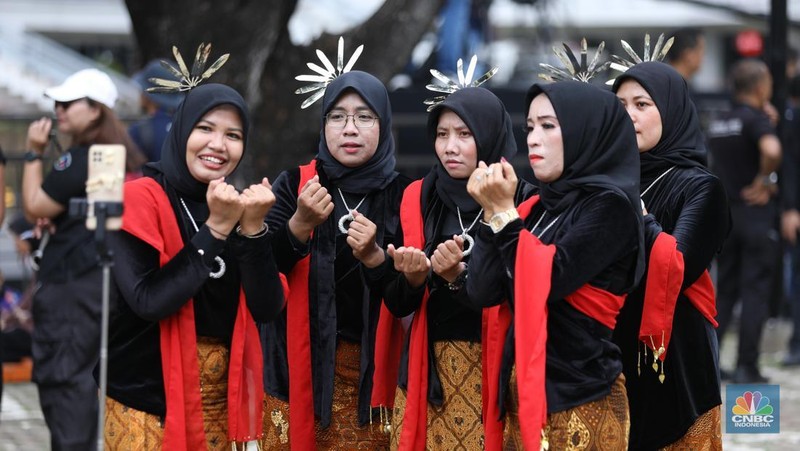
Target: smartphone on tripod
point(105, 181)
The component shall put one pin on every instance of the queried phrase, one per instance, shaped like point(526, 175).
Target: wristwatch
point(499, 220)
point(32, 156)
point(769, 179)
point(459, 281)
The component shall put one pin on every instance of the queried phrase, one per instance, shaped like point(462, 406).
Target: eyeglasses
point(66, 105)
point(339, 120)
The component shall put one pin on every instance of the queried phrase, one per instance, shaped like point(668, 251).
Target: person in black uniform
point(790, 217)
point(471, 125)
point(745, 155)
point(566, 268)
point(687, 222)
point(333, 218)
point(193, 269)
point(66, 307)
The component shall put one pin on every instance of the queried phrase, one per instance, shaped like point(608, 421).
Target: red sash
point(496, 321)
point(415, 420)
point(664, 280)
point(149, 216)
point(298, 342)
point(495, 324)
point(534, 260)
point(596, 303)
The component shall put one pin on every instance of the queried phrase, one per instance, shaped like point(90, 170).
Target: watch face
point(498, 219)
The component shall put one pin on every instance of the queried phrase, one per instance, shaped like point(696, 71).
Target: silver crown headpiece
point(451, 86)
point(659, 53)
point(573, 69)
point(325, 75)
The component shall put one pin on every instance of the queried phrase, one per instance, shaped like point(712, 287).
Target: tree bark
point(264, 61)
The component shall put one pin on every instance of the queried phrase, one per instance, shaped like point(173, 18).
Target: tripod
point(102, 212)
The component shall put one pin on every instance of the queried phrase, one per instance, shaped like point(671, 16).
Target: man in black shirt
point(746, 152)
point(790, 217)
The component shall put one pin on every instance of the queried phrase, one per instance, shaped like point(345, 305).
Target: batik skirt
point(128, 429)
point(456, 424)
point(602, 425)
point(344, 432)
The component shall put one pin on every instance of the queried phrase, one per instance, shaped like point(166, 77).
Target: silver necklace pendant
point(219, 273)
point(345, 218)
point(214, 274)
point(222, 268)
point(349, 217)
point(468, 243)
point(468, 240)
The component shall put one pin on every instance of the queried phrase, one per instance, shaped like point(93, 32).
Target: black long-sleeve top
point(344, 303)
point(147, 293)
point(790, 165)
point(450, 315)
point(690, 204)
point(596, 243)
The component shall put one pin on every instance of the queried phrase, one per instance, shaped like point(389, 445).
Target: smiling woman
point(216, 144)
point(194, 268)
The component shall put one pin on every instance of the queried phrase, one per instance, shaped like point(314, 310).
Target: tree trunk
point(264, 61)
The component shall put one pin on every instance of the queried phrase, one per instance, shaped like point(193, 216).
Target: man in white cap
point(67, 305)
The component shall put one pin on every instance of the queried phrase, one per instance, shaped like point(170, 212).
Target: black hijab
point(600, 151)
point(172, 171)
point(682, 142)
point(379, 171)
point(490, 124)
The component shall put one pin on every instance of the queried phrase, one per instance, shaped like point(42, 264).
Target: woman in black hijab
point(444, 400)
point(686, 224)
point(332, 220)
point(572, 254)
point(193, 268)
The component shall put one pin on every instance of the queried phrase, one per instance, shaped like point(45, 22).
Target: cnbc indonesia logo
point(753, 410)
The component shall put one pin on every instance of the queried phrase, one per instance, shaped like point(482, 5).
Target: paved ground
point(22, 426)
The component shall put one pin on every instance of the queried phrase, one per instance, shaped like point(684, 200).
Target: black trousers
point(747, 265)
point(65, 348)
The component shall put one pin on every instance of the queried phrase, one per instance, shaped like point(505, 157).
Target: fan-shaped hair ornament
point(187, 80)
point(659, 53)
point(464, 81)
point(573, 69)
point(326, 73)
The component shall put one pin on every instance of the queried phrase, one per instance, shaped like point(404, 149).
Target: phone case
point(105, 181)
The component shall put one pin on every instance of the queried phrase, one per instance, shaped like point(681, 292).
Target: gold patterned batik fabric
point(344, 433)
point(704, 435)
point(127, 429)
point(602, 425)
point(456, 424)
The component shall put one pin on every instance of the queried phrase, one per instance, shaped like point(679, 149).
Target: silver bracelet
point(263, 231)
